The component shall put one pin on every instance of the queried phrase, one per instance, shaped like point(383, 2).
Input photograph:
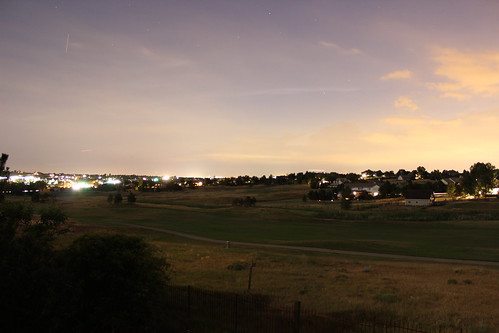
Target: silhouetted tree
point(353, 177)
point(436, 175)
point(483, 177)
point(101, 283)
point(118, 198)
point(422, 173)
point(314, 183)
point(345, 203)
point(4, 175)
point(114, 282)
point(468, 183)
point(29, 277)
point(131, 198)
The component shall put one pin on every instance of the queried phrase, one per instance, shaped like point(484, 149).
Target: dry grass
point(414, 293)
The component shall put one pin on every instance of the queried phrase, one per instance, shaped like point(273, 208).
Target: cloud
point(402, 142)
point(474, 73)
point(397, 75)
point(405, 102)
point(339, 49)
point(459, 142)
point(458, 96)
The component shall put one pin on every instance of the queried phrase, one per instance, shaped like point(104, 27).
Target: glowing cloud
point(405, 102)
point(397, 75)
point(458, 96)
point(476, 73)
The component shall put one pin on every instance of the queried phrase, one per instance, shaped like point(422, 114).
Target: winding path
point(315, 249)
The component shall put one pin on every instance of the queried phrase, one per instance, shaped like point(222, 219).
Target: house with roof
point(371, 188)
point(453, 180)
point(339, 181)
point(420, 198)
point(407, 177)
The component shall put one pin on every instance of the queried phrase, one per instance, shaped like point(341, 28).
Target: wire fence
point(200, 311)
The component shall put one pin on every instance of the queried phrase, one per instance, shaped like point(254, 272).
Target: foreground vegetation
point(97, 283)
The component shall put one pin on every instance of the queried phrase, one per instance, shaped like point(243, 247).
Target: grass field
point(437, 295)
point(280, 217)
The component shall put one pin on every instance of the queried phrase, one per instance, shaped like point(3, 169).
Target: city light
point(79, 186)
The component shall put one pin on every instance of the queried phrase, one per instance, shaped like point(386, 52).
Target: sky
point(231, 87)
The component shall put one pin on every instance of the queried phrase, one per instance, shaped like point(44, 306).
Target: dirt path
point(315, 249)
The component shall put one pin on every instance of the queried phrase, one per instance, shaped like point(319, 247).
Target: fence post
point(189, 306)
point(296, 315)
point(250, 275)
point(235, 315)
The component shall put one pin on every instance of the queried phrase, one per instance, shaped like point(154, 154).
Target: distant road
point(315, 249)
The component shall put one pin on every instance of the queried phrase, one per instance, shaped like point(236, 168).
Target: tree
point(454, 190)
point(388, 189)
point(483, 176)
point(115, 282)
point(100, 283)
point(468, 183)
point(346, 198)
point(314, 183)
point(345, 203)
point(353, 177)
point(29, 275)
point(131, 198)
point(118, 198)
point(4, 175)
point(422, 173)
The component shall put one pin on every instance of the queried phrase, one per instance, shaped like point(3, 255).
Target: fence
point(199, 311)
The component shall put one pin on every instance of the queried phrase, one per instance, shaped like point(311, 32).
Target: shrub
point(131, 198)
point(341, 277)
point(118, 198)
point(345, 203)
point(387, 298)
point(238, 266)
point(246, 202)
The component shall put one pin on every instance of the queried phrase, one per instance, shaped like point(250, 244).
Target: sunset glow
point(224, 87)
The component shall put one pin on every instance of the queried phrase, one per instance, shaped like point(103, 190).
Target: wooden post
point(189, 306)
point(296, 319)
point(250, 275)
point(235, 314)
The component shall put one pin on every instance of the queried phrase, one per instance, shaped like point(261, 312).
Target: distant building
point(406, 177)
point(339, 181)
point(419, 198)
point(371, 188)
point(453, 180)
